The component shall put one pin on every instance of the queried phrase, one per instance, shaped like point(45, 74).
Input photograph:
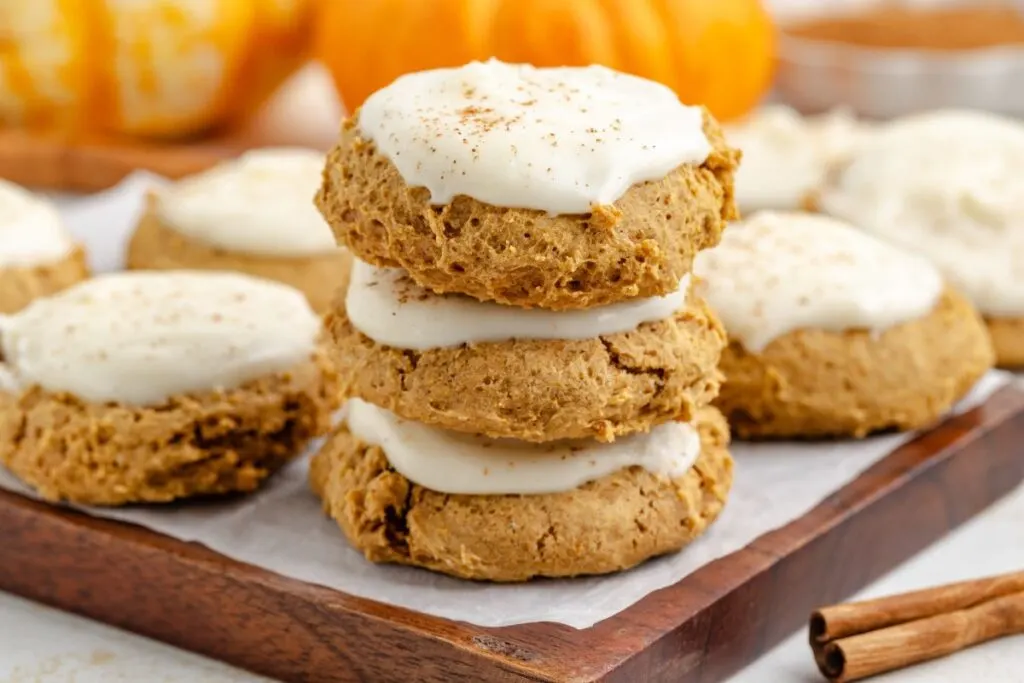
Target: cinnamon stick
point(867, 654)
point(831, 623)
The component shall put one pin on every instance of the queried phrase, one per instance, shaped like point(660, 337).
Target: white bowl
point(875, 83)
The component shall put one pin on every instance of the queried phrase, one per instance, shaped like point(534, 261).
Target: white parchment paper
point(282, 528)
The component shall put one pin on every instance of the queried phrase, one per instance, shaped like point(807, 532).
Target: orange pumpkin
point(714, 52)
point(41, 76)
point(160, 68)
point(366, 44)
point(280, 43)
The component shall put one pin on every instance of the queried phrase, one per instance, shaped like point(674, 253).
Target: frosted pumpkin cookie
point(787, 157)
point(508, 511)
point(1008, 340)
point(835, 333)
point(253, 215)
point(147, 387)
point(530, 374)
point(558, 188)
point(37, 255)
point(949, 185)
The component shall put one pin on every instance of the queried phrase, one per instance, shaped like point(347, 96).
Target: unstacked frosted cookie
point(148, 387)
point(37, 255)
point(529, 369)
point(253, 215)
point(833, 332)
point(950, 186)
point(787, 157)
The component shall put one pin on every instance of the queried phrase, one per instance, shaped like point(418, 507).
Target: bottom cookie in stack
point(504, 510)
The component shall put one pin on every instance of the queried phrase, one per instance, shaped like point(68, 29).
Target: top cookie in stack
point(557, 188)
point(524, 240)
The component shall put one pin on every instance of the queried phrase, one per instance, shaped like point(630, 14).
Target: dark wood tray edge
point(700, 629)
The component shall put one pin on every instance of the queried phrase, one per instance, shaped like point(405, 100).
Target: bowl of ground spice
point(885, 59)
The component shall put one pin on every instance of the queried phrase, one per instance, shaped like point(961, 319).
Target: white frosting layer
point(949, 185)
point(31, 231)
point(142, 337)
point(455, 463)
point(260, 203)
point(556, 140)
point(388, 307)
point(780, 272)
point(786, 157)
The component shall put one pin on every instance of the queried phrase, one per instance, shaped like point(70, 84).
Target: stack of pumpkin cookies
point(528, 373)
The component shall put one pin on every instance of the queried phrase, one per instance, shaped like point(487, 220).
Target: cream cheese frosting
point(949, 185)
point(388, 307)
point(779, 272)
point(449, 462)
point(786, 157)
point(31, 230)
point(260, 204)
point(142, 337)
point(559, 140)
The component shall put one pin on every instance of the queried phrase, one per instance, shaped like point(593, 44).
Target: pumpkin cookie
point(148, 387)
point(1008, 340)
point(37, 256)
point(787, 157)
point(837, 334)
point(556, 188)
point(481, 367)
point(253, 215)
point(948, 185)
point(416, 495)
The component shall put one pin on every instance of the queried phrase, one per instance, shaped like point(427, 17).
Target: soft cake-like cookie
point(557, 188)
point(504, 511)
point(147, 387)
point(787, 157)
point(253, 215)
point(37, 256)
point(835, 333)
point(535, 375)
point(1007, 340)
point(950, 186)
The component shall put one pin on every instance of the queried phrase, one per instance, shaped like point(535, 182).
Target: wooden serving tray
point(699, 630)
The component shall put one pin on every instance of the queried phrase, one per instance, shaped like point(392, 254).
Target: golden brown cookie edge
point(774, 394)
point(21, 285)
point(154, 245)
point(583, 532)
point(72, 450)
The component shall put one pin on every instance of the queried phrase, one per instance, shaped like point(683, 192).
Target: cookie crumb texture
point(605, 526)
point(1008, 339)
point(541, 390)
point(20, 285)
point(215, 443)
point(812, 383)
point(640, 246)
point(155, 246)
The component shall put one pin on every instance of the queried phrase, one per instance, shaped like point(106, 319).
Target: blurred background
point(228, 74)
